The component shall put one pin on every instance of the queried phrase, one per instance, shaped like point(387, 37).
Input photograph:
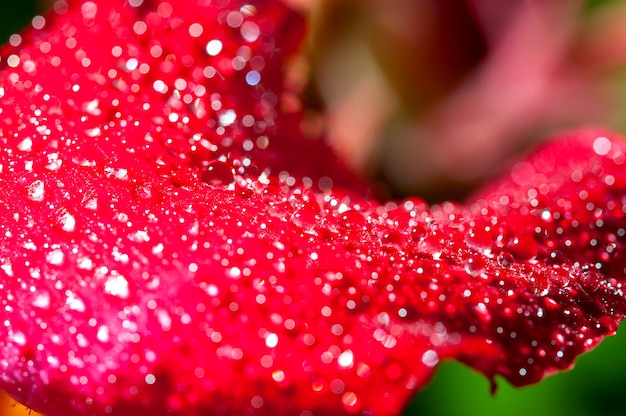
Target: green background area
point(596, 386)
point(15, 15)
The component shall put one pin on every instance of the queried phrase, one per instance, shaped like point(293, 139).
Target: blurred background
point(433, 97)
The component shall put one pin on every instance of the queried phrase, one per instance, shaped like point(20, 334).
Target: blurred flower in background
point(430, 98)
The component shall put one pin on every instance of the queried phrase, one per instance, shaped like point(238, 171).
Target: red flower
point(172, 245)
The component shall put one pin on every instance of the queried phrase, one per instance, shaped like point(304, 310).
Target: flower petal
point(146, 267)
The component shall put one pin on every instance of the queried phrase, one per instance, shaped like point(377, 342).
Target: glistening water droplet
point(475, 265)
point(36, 191)
point(218, 174)
point(506, 259)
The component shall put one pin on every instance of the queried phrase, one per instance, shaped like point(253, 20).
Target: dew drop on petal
point(523, 247)
point(7, 267)
point(350, 401)
point(91, 107)
point(474, 265)
point(278, 376)
point(602, 146)
point(430, 358)
point(25, 145)
point(36, 191)
point(214, 47)
point(431, 245)
point(103, 334)
point(117, 285)
point(84, 162)
point(19, 338)
point(250, 31)
point(66, 221)
point(305, 217)
point(227, 118)
point(218, 174)
point(560, 277)
point(120, 174)
point(84, 263)
point(253, 78)
point(55, 257)
point(257, 402)
point(345, 359)
point(418, 233)
point(42, 300)
point(271, 340)
point(89, 10)
point(195, 30)
point(93, 132)
point(506, 259)
point(393, 238)
point(540, 284)
point(74, 302)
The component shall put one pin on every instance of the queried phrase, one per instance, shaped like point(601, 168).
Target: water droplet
point(146, 192)
point(65, 220)
point(120, 174)
point(352, 220)
point(93, 132)
point(480, 236)
point(117, 285)
point(418, 233)
point(506, 259)
point(250, 31)
point(539, 283)
point(475, 265)
point(257, 402)
point(278, 376)
point(337, 386)
point(55, 257)
point(103, 334)
point(84, 162)
point(393, 238)
point(430, 358)
point(602, 146)
point(74, 302)
point(523, 247)
point(346, 359)
point(89, 10)
point(36, 191)
point(271, 340)
point(214, 47)
point(84, 263)
point(42, 300)
point(7, 267)
point(431, 245)
point(19, 338)
point(218, 174)
point(90, 202)
point(560, 276)
point(227, 118)
point(306, 216)
point(25, 145)
point(350, 401)
point(91, 107)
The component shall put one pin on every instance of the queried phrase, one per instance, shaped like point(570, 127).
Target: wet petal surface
point(172, 244)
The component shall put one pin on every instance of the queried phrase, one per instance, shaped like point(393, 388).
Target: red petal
point(145, 268)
